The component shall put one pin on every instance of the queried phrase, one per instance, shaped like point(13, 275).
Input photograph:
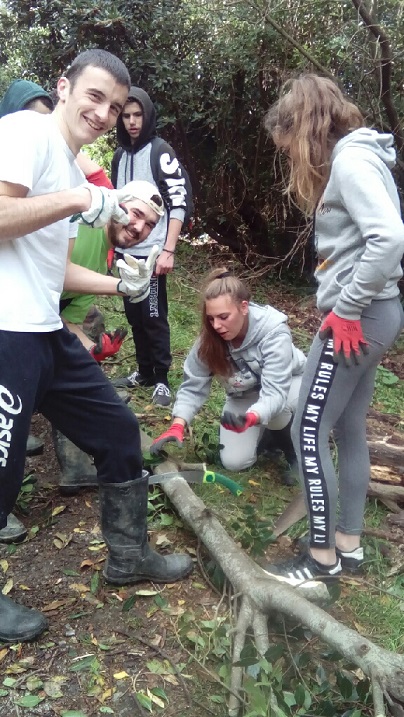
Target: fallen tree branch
point(262, 595)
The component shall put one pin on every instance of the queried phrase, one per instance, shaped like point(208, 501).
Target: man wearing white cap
point(89, 250)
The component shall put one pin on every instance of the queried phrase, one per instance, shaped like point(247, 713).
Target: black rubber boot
point(34, 446)
point(283, 441)
point(19, 623)
point(124, 527)
point(77, 468)
point(14, 531)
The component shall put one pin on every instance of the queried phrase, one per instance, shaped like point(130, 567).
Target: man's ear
point(63, 88)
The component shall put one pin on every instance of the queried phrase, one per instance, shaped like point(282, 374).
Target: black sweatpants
point(151, 332)
point(54, 374)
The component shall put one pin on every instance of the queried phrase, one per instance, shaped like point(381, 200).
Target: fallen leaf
point(61, 540)
point(157, 701)
point(106, 695)
point(121, 675)
point(52, 688)
point(8, 586)
point(253, 482)
point(29, 701)
point(56, 604)
point(33, 683)
point(80, 587)
point(24, 587)
point(59, 509)
point(4, 565)
point(3, 653)
point(87, 563)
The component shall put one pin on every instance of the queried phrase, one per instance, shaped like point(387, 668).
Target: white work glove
point(104, 206)
point(135, 275)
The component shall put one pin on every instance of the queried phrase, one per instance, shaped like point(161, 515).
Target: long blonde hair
point(309, 118)
point(213, 349)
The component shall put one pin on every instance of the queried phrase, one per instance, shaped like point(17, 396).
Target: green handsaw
point(199, 476)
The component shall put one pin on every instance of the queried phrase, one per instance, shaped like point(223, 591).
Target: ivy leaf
point(29, 701)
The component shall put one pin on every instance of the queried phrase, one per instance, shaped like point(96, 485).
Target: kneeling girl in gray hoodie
point(249, 348)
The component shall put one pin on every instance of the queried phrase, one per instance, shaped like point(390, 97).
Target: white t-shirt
point(34, 154)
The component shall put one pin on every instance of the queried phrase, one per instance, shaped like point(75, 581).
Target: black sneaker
point(303, 571)
point(135, 379)
point(351, 561)
point(161, 395)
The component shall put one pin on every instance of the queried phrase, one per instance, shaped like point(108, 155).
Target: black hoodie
point(152, 159)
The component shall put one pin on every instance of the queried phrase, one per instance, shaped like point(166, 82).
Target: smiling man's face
point(90, 107)
point(142, 219)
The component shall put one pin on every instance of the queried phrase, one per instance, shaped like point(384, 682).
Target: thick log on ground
point(266, 595)
point(261, 595)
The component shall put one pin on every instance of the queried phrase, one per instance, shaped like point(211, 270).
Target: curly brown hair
point(309, 118)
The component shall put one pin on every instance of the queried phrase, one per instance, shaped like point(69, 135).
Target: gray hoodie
point(359, 232)
point(263, 368)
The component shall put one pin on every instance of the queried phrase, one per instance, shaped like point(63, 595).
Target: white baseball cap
point(147, 193)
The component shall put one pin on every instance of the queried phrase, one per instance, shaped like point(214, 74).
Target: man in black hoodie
point(143, 155)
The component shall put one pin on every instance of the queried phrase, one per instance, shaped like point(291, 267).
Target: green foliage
point(26, 492)
point(389, 391)
point(253, 533)
point(213, 69)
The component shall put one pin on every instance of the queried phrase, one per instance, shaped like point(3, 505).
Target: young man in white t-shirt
point(42, 365)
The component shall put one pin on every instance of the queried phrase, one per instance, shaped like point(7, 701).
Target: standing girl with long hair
point(249, 348)
point(340, 172)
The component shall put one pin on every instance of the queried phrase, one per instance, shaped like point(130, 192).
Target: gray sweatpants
point(336, 398)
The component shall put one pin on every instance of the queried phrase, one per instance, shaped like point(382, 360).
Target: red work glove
point(238, 424)
point(108, 344)
point(174, 433)
point(347, 336)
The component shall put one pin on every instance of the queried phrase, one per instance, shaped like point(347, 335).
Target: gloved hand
point(347, 337)
point(135, 275)
point(108, 344)
point(174, 433)
point(238, 424)
point(105, 205)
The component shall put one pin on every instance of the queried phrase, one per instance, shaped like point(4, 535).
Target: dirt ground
point(57, 569)
point(104, 645)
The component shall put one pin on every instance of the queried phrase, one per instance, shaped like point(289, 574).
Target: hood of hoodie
point(148, 130)
point(380, 144)
point(19, 94)
point(262, 320)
